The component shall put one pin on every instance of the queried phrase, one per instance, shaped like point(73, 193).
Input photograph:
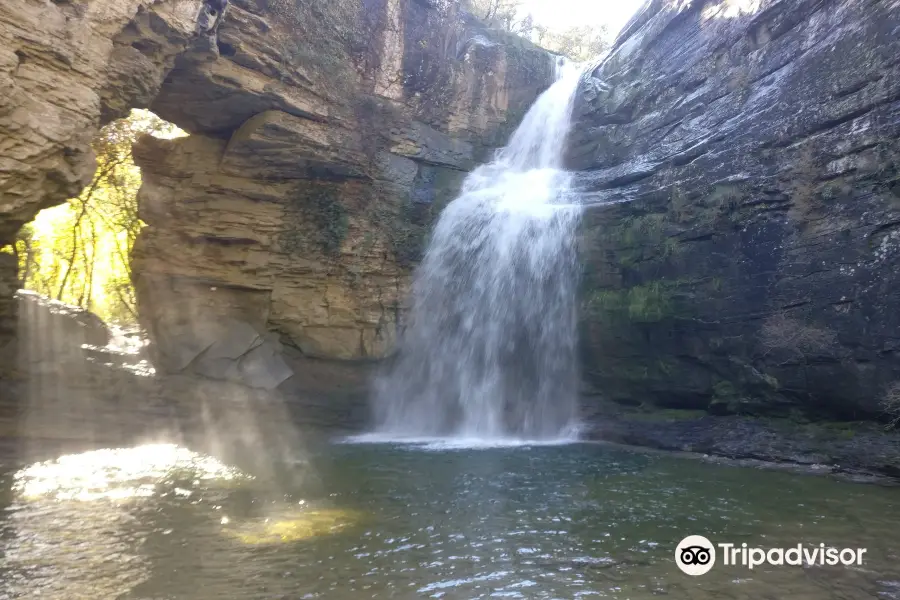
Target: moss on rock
point(314, 219)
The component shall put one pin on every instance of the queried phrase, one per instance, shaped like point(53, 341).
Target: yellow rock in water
point(293, 526)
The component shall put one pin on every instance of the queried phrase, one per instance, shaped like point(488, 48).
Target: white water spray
point(489, 348)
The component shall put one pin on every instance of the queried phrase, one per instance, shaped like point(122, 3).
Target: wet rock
point(861, 450)
point(263, 367)
point(61, 327)
point(741, 163)
point(235, 351)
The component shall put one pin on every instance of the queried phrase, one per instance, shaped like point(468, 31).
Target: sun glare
point(78, 251)
point(117, 473)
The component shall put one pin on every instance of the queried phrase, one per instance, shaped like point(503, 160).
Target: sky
point(560, 14)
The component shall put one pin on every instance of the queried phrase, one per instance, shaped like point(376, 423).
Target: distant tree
point(79, 252)
point(539, 33)
point(796, 338)
point(497, 13)
point(890, 401)
point(580, 43)
point(25, 251)
point(525, 27)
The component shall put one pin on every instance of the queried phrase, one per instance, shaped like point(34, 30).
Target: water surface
point(426, 521)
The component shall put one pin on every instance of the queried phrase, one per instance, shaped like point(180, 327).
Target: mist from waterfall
point(489, 347)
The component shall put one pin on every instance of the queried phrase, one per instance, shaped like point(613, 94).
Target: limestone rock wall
point(744, 161)
point(325, 136)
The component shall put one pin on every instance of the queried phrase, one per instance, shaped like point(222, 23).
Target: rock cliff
point(323, 140)
point(324, 136)
point(741, 251)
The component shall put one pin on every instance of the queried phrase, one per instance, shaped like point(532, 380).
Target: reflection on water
point(290, 526)
point(401, 522)
point(119, 473)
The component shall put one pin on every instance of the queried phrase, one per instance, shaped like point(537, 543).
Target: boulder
point(61, 329)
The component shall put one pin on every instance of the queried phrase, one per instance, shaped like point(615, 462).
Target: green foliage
point(680, 205)
point(406, 238)
point(780, 332)
point(724, 390)
point(739, 83)
point(655, 414)
point(79, 252)
point(725, 399)
point(666, 367)
point(805, 199)
point(502, 13)
point(639, 229)
point(705, 210)
point(404, 223)
point(887, 169)
point(639, 238)
point(649, 303)
point(405, 231)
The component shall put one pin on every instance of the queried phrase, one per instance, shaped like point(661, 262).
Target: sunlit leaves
point(78, 252)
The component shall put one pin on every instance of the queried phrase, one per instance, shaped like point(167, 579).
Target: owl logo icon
point(695, 555)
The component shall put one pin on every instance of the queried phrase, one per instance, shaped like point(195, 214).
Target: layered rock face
point(324, 136)
point(66, 68)
point(741, 252)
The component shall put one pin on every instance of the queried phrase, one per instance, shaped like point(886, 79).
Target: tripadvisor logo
point(696, 555)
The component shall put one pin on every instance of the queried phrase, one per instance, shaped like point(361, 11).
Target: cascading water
point(489, 347)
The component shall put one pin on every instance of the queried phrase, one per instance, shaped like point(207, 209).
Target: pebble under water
point(426, 521)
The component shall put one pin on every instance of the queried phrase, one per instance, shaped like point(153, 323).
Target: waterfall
point(489, 347)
